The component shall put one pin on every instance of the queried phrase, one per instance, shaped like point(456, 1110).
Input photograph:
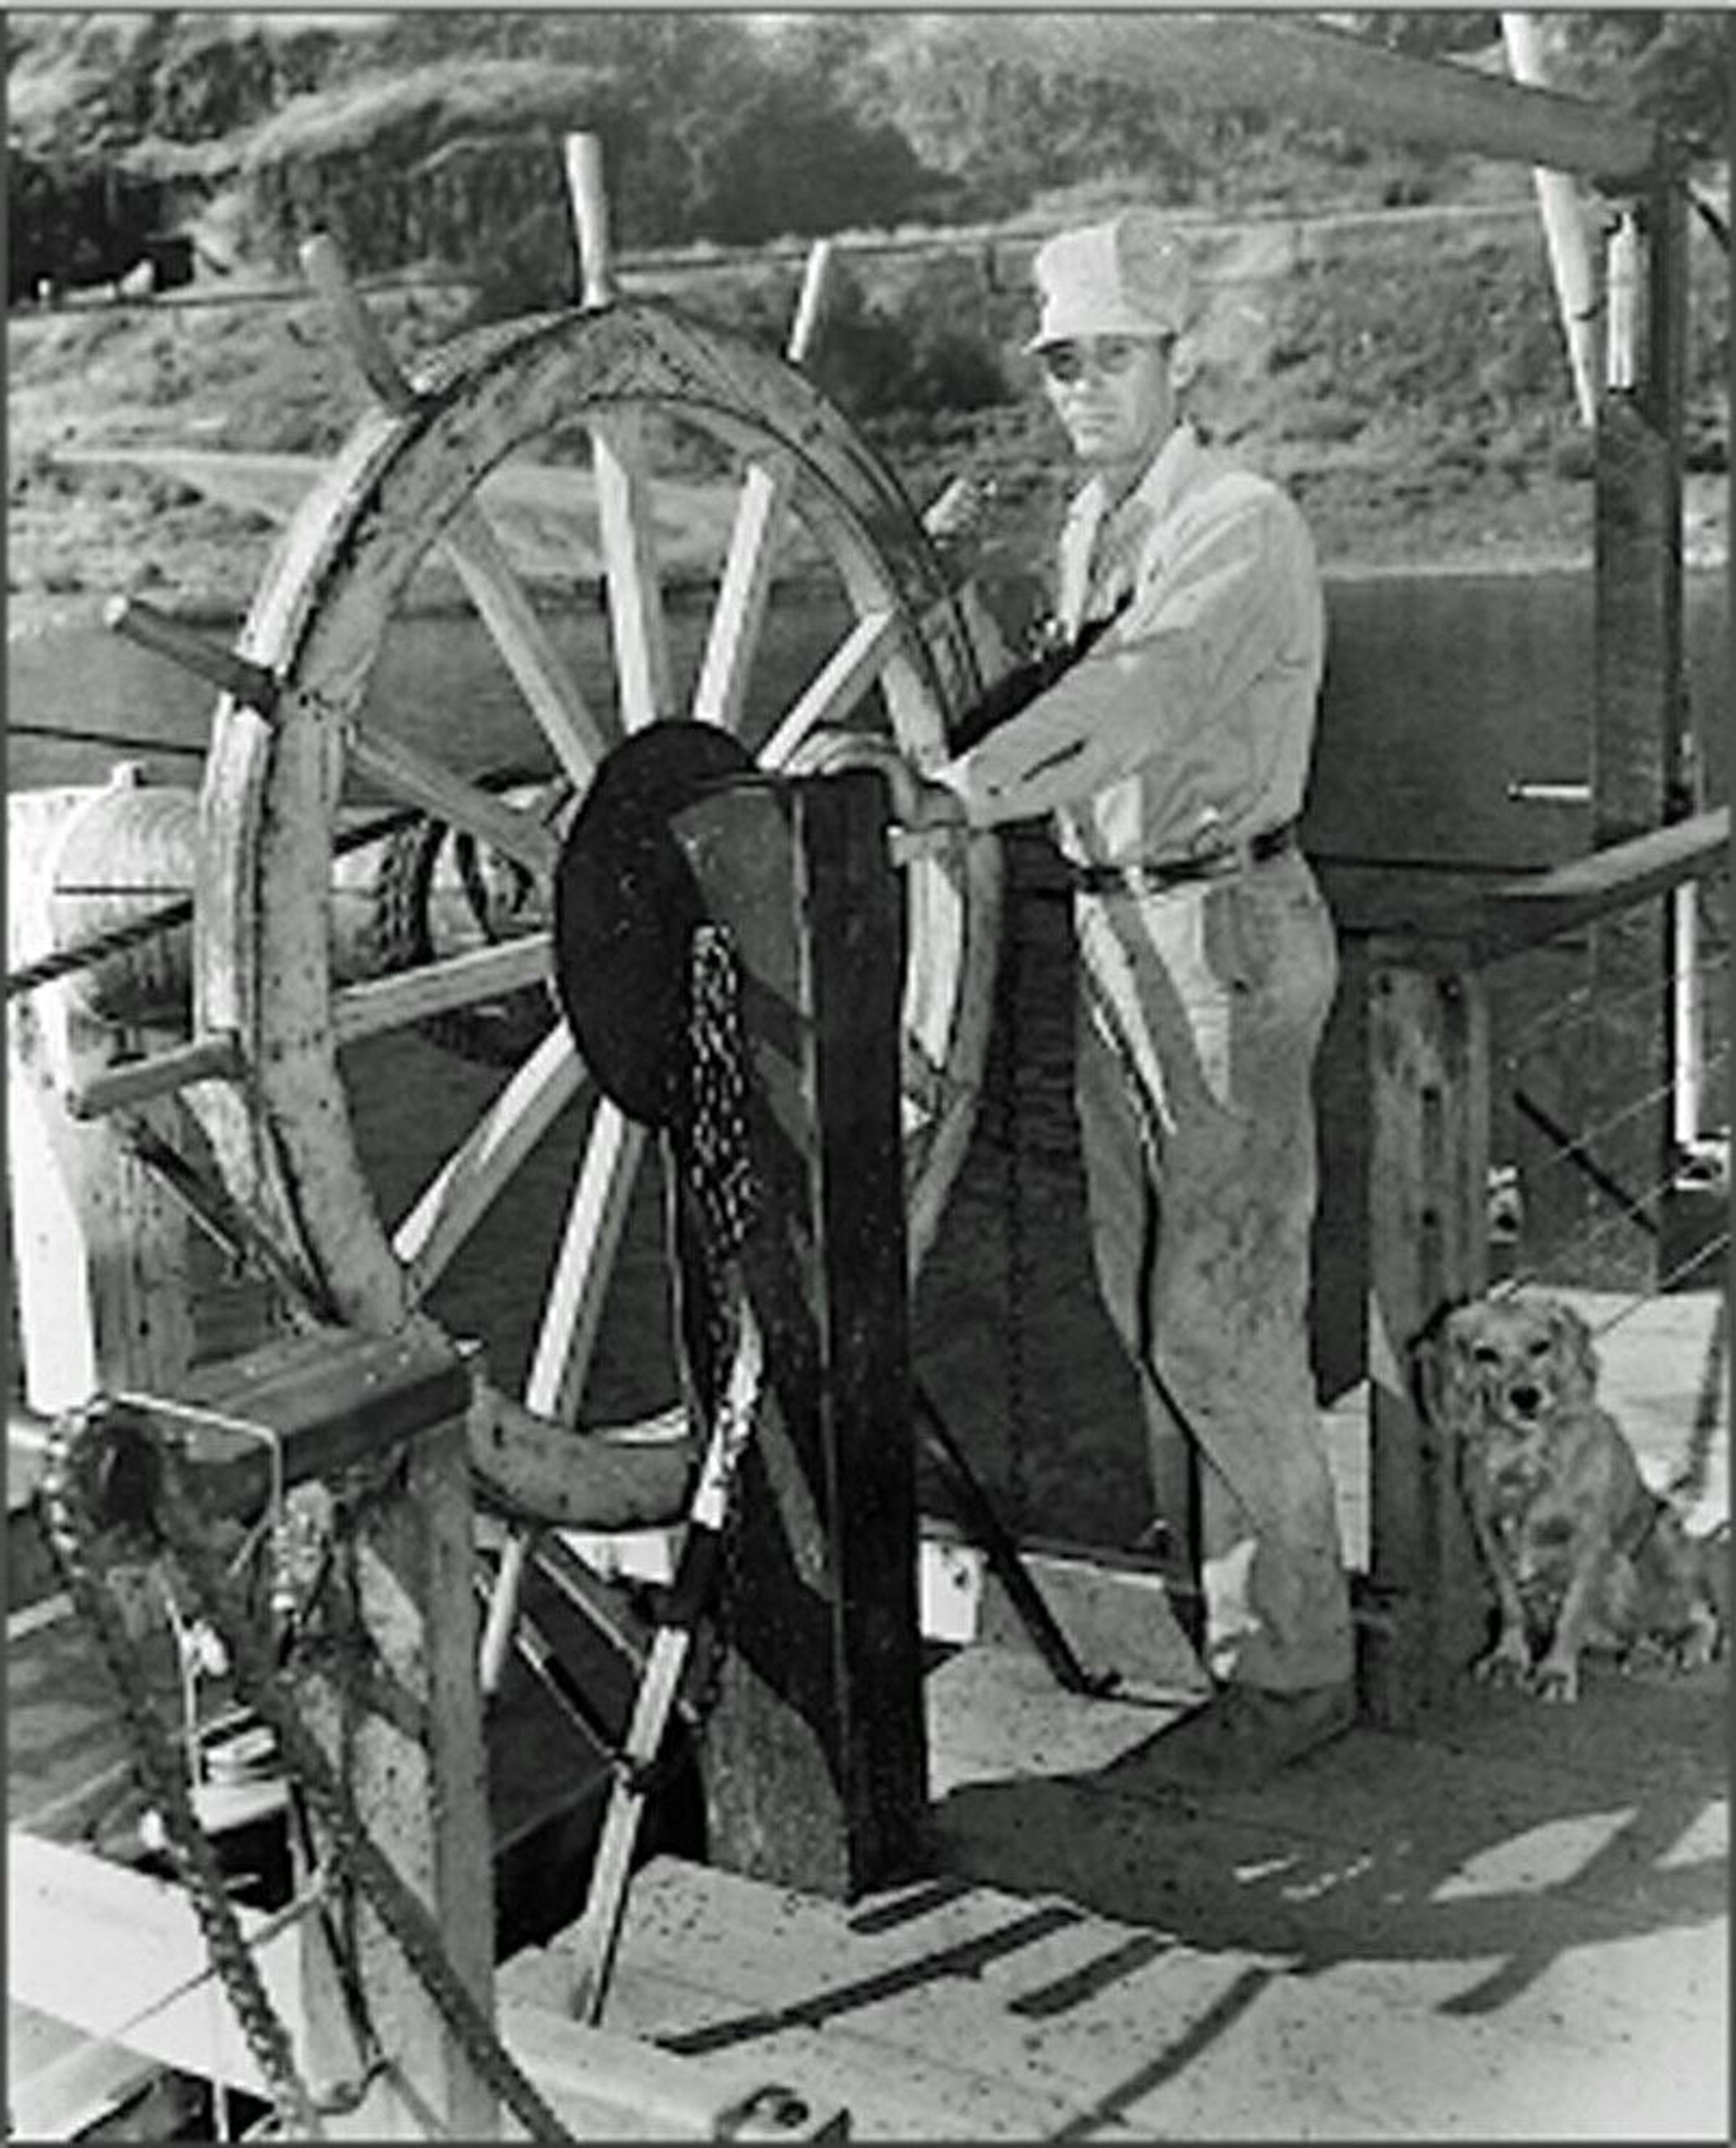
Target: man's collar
point(1166, 477)
point(1170, 472)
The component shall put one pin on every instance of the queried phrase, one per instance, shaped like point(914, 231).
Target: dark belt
point(1176, 872)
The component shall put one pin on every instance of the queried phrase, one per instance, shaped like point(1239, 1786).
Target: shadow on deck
point(1512, 1923)
point(1512, 1926)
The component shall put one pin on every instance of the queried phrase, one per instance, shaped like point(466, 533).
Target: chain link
point(711, 1128)
point(714, 1155)
point(76, 1545)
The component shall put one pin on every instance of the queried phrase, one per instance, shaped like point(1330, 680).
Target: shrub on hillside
point(923, 348)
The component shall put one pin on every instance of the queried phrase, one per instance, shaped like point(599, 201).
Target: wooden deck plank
point(1042, 2020)
point(59, 2083)
point(724, 1965)
point(1514, 1925)
point(994, 1710)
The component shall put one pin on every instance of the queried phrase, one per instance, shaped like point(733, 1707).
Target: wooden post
point(1620, 1101)
point(1559, 210)
point(390, 1688)
point(1428, 1247)
point(100, 1253)
point(815, 1760)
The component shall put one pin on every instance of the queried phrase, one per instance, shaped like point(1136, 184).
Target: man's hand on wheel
point(916, 803)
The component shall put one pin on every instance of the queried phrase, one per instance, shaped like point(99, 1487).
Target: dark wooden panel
point(815, 1754)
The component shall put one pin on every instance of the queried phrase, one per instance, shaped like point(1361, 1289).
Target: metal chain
point(74, 1539)
point(714, 1155)
point(712, 1143)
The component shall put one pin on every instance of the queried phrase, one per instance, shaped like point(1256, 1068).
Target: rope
point(87, 954)
point(1582, 1005)
point(73, 1537)
point(119, 939)
point(72, 734)
point(399, 1910)
point(184, 1530)
point(1702, 1255)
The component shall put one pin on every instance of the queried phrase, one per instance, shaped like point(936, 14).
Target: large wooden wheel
point(495, 1187)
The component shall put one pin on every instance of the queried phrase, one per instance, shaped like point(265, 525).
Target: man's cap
point(1127, 277)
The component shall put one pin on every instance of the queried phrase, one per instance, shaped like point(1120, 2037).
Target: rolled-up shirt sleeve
point(1198, 632)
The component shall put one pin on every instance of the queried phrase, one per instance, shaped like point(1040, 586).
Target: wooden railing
point(1429, 1109)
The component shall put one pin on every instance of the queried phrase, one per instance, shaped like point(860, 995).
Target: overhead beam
point(1238, 61)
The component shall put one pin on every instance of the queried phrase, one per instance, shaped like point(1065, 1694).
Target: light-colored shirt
point(1190, 723)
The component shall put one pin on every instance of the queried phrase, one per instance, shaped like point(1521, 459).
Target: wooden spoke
point(743, 593)
point(424, 781)
point(415, 477)
point(574, 1310)
point(759, 518)
point(472, 1178)
point(459, 981)
point(845, 676)
point(542, 675)
point(625, 520)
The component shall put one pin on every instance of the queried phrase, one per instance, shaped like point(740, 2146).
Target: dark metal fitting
point(112, 1457)
point(772, 2113)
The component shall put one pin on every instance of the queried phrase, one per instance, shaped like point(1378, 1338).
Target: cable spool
point(432, 891)
point(125, 850)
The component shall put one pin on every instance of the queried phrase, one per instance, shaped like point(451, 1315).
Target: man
point(1172, 757)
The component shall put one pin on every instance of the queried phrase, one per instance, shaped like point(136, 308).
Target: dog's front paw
point(1556, 1679)
point(1509, 1663)
point(1697, 1647)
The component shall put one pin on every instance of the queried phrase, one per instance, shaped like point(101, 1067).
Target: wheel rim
point(413, 487)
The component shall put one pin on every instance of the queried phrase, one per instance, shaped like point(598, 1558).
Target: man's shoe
point(1243, 1736)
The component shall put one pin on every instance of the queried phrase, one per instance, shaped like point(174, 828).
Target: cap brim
point(1071, 327)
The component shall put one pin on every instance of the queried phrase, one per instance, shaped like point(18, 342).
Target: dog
point(1582, 1553)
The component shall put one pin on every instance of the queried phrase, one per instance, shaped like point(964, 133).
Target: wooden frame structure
point(1429, 1112)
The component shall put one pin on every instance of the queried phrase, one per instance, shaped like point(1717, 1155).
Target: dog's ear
point(1441, 1376)
point(1572, 1340)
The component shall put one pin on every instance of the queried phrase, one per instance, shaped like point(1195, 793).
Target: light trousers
point(1201, 1011)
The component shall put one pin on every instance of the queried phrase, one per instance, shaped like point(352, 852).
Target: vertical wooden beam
point(400, 1716)
point(1640, 744)
point(1428, 1248)
point(100, 1253)
point(815, 1759)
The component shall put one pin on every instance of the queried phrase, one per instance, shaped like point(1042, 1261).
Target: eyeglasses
point(1108, 356)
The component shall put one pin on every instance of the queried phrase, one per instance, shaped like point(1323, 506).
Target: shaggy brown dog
point(1582, 1553)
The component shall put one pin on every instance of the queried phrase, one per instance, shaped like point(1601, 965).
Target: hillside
point(1376, 329)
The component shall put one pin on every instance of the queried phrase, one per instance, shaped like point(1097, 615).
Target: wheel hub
point(625, 906)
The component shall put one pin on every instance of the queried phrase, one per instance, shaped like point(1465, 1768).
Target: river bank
point(1411, 439)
